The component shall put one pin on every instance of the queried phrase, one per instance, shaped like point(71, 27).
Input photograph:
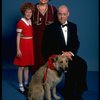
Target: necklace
point(39, 19)
point(42, 8)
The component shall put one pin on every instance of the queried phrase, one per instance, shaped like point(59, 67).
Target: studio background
point(82, 12)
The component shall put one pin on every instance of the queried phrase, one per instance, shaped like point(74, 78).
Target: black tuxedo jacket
point(53, 39)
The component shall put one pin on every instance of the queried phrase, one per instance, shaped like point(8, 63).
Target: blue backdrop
point(82, 12)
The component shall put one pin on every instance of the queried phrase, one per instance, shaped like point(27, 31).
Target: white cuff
point(19, 30)
point(71, 53)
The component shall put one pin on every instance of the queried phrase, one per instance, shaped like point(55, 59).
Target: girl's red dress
point(26, 45)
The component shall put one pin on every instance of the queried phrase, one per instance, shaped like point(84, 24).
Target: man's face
point(62, 14)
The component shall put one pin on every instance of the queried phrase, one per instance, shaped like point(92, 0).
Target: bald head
point(63, 7)
point(63, 14)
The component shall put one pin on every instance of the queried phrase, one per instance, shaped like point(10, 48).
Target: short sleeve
point(19, 27)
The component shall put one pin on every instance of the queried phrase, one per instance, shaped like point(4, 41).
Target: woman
point(44, 15)
point(25, 52)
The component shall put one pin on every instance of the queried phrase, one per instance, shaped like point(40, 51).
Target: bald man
point(61, 38)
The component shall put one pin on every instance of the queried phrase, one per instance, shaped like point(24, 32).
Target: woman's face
point(28, 13)
point(43, 1)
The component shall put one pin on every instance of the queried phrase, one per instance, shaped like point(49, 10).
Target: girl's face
point(28, 13)
point(43, 1)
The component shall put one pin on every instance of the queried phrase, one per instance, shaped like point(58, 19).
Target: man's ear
point(68, 14)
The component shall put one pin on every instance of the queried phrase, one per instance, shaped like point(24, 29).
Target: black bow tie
point(64, 25)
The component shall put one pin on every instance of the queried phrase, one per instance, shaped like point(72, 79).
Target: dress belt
point(26, 37)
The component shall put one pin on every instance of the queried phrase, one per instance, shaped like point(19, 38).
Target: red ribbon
point(50, 65)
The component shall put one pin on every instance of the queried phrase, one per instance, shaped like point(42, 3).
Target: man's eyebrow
point(61, 13)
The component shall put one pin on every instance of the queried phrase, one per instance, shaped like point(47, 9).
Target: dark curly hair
point(26, 6)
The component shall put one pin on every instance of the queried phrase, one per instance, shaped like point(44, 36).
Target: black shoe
point(22, 92)
point(77, 95)
point(26, 87)
point(72, 97)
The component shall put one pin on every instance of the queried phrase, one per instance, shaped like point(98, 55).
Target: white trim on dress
point(25, 21)
point(19, 30)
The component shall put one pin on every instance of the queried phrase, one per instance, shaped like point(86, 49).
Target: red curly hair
point(26, 6)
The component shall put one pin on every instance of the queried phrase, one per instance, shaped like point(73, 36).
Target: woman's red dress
point(40, 22)
point(26, 45)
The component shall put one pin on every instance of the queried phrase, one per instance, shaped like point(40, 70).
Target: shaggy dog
point(47, 78)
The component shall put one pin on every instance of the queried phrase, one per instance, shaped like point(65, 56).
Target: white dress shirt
point(65, 32)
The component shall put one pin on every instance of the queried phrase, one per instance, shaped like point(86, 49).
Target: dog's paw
point(57, 97)
point(49, 99)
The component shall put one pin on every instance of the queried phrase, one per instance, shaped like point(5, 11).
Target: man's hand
point(68, 54)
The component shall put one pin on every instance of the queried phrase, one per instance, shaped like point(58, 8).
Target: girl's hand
point(19, 54)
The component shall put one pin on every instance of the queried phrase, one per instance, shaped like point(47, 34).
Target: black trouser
point(75, 78)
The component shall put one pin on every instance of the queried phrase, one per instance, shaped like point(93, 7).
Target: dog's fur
point(37, 89)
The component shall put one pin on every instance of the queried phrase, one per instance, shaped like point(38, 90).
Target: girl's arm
point(19, 54)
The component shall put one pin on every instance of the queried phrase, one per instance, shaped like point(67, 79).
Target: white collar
point(65, 23)
point(25, 21)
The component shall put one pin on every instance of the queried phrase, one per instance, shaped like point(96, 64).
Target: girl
point(25, 52)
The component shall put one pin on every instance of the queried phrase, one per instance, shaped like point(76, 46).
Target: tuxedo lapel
point(61, 36)
point(68, 33)
point(61, 33)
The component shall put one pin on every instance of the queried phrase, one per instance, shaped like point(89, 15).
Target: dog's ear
point(55, 59)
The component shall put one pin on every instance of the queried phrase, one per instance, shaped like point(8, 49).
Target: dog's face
point(61, 63)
